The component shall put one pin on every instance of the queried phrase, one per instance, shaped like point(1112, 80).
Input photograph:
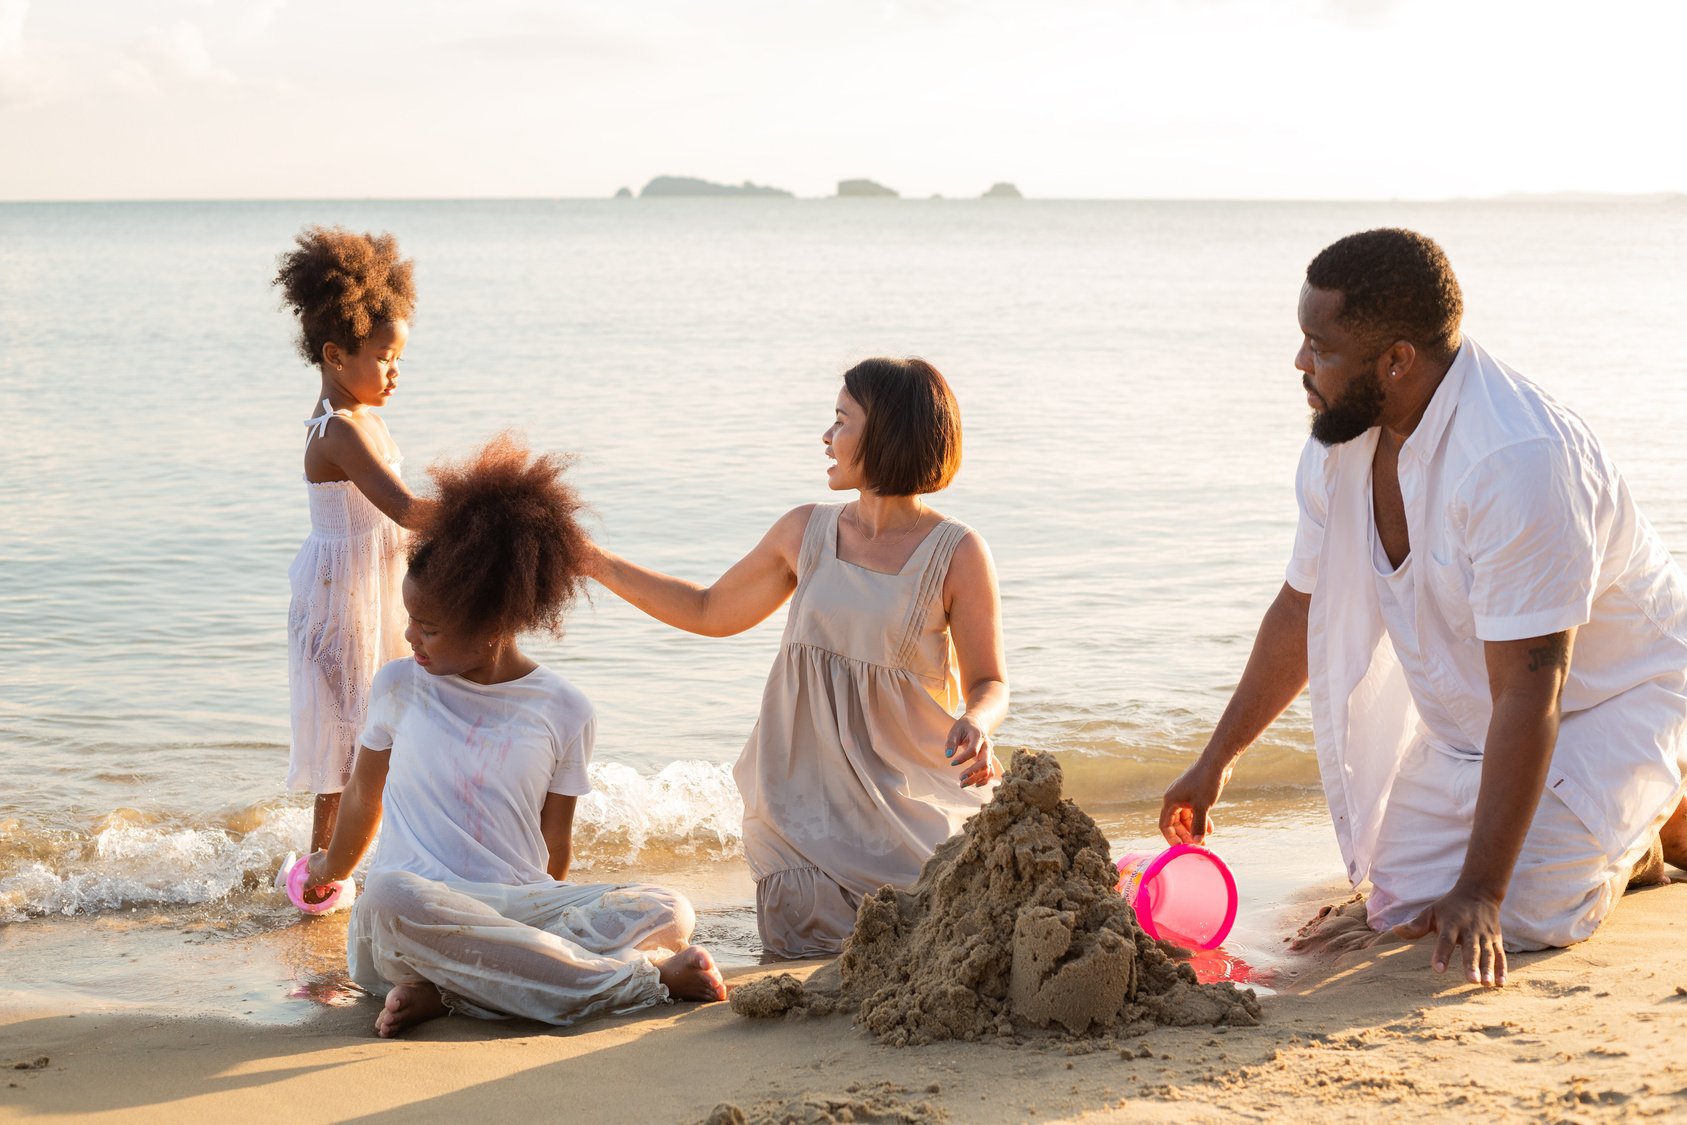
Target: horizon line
point(1660, 195)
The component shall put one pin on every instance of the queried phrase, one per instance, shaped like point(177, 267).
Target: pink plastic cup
point(339, 896)
point(1184, 894)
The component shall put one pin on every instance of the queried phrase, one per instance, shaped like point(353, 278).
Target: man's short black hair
point(1395, 285)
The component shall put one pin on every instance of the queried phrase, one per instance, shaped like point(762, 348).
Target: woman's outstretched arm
point(975, 626)
point(744, 596)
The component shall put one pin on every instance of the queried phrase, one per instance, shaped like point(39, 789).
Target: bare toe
point(408, 1005)
point(691, 974)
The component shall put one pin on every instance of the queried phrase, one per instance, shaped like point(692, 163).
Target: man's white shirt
point(1520, 527)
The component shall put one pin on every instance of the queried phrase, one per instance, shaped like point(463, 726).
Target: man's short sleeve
point(1312, 494)
point(569, 777)
point(1535, 519)
point(384, 705)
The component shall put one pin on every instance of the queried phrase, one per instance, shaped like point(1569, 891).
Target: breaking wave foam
point(133, 857)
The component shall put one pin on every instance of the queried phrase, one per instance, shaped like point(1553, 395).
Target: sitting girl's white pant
point(555, 952)
point(1564, 884)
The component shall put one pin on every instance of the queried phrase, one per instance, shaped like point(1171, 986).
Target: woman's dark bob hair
point(911, 443)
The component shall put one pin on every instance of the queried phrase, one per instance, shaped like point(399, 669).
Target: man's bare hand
point(1463, 918)
point(1183, 810)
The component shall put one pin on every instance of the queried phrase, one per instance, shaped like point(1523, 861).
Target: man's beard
point(1354, 411)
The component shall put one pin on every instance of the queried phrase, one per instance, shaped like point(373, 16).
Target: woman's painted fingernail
point(949, 753)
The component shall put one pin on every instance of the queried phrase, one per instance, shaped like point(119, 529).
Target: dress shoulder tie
point(319, 424)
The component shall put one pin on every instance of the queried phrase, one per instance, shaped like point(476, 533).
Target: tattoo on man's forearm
point(1555, 653)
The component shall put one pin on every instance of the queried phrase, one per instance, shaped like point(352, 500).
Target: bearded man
point(1494, 637)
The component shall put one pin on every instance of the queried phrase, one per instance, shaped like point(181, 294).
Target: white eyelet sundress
point(844, 781)
point(346, 619)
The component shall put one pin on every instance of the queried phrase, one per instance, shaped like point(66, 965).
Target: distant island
point(687, 185)
point(866, 189)
point(679, 186)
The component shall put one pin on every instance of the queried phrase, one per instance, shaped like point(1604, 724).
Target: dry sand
point(1595, 1032)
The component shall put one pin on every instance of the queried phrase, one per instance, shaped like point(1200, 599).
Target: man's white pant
point(1564, 883)
point(555, 952)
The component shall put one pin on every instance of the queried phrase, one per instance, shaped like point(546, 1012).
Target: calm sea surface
point(1132, 424)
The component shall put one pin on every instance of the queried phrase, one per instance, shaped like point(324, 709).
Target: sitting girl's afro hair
point(501, 549)
point(343, 285)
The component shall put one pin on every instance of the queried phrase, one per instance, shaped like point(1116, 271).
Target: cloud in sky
point(1215, 98)
point(39, 70)
point(12, 13)
point(167, 56)
point(24, 78)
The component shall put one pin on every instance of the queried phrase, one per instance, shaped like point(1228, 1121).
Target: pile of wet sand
point(1014, 923)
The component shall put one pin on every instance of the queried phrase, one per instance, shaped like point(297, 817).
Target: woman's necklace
point(855, 518)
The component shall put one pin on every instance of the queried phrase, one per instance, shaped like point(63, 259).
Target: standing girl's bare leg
point(322, 820)
point(326, 811)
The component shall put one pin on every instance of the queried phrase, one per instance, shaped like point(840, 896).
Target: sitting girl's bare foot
point(690, 974)
point(408, 1005)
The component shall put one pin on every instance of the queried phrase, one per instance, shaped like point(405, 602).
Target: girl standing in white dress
point(873, 744)
point(476, 755)
point(354, 297)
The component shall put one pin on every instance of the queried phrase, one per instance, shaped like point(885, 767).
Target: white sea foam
point(127, 864)
point(688, 808)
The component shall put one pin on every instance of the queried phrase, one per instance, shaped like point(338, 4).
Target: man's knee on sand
point(1558, 894)
point(1563, 888)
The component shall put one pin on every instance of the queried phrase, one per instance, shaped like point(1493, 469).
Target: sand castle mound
point(1014, 922)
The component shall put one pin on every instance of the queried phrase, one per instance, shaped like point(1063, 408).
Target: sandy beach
point(685, 250)
point(1591, 1032)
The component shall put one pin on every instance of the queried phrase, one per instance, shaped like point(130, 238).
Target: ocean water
point(1132, 422)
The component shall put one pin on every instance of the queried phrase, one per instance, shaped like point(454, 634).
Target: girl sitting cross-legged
point(476, 755)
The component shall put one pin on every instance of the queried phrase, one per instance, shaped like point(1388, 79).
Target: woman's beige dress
point(844, 780)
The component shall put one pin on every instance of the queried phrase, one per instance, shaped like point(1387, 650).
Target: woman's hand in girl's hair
point(969, 746)
point(593, 559)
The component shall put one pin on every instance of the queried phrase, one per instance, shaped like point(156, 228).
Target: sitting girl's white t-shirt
point(470, 767)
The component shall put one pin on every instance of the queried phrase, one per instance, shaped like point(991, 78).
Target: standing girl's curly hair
point(501, 549)
point(342, 286)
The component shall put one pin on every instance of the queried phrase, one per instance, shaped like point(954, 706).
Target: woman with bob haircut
point(873, 744)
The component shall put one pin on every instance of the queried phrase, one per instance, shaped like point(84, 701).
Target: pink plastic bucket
point(1184, 894)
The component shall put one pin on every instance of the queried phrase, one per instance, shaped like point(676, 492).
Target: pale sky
point(1266, 99)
